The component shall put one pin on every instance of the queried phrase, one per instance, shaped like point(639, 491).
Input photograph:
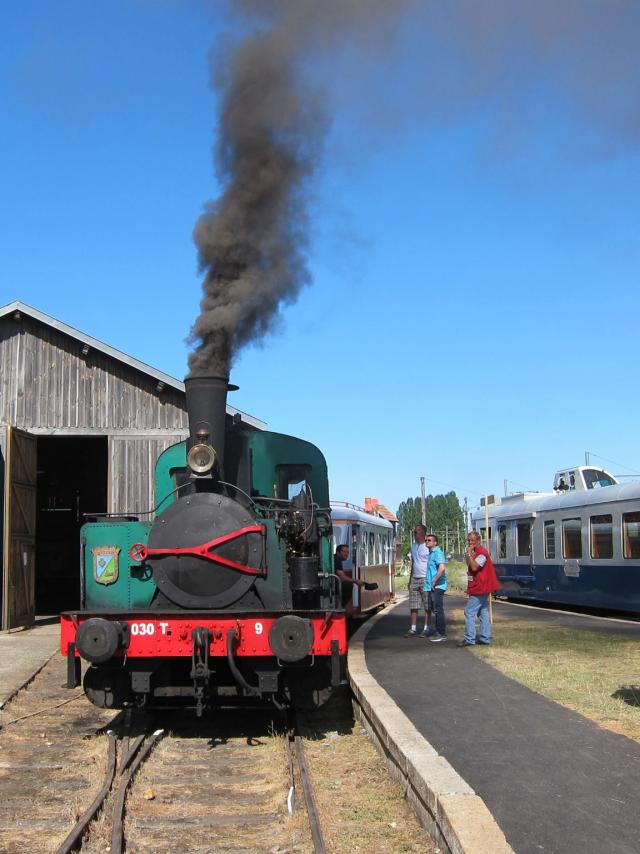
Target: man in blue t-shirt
point(435, 584)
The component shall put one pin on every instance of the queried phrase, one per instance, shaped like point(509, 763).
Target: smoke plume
point(252, 241)
point(449, 59)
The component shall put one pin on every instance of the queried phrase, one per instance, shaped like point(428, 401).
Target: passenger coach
point(578, 545)
point(371, 553)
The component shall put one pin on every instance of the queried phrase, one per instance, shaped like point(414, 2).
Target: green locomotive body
point(228, 594)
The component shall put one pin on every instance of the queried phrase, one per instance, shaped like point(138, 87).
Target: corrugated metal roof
point(94, 343)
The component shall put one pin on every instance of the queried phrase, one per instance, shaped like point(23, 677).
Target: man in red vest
point(482, 581)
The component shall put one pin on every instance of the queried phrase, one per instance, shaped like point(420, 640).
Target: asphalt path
point(553, 780)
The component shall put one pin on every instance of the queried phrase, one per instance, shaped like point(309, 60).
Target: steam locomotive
point(228, 595)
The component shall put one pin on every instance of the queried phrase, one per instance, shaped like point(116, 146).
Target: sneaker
point(427, 633)
point(484, 643)
point(465, 643)
point(437, 638)
point(411, 634)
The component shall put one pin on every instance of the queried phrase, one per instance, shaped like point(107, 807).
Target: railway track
point(221, 785)
point(73, 777)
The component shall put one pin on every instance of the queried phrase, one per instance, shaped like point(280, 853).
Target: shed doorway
point(71, 482)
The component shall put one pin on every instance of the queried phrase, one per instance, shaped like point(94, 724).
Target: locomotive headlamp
point(201, 458)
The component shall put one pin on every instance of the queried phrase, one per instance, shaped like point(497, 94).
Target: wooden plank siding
point(132, 461)
point(46, 384)
point(48, 387)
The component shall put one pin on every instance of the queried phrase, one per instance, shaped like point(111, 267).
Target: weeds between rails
point(218, 787)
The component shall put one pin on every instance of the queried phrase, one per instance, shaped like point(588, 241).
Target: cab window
point(292, 480)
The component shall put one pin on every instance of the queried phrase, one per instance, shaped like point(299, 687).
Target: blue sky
point(472, 314)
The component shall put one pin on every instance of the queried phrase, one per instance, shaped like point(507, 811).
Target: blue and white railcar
point(577, 545)
point(371, 541)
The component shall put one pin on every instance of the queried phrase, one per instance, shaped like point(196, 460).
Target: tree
point(443, 514)
point(409, 515)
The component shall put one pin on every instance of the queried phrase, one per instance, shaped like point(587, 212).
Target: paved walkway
point(554, 781)
point(23, 652)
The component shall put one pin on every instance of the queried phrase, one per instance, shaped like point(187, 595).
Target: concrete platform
point(552, 780)
point(23, 653)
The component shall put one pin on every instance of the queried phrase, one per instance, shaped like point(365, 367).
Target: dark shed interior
point(72, 482)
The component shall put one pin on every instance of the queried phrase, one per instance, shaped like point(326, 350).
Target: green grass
point(456, 576)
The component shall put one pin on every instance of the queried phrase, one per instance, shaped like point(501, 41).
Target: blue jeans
point(477, 606)
point(437, 607)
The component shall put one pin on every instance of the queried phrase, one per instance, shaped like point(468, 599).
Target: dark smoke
point(451, 57)
point(252, 241)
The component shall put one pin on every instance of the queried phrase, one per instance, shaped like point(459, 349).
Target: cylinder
point(304, 573)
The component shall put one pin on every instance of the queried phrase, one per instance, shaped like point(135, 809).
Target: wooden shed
point(81, 426)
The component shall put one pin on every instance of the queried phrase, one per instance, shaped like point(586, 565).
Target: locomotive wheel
point(107, 687)
point(308, 690)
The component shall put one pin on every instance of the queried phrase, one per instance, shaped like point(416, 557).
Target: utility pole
point(506, 487)
point(424, 500)
point(586, 458)
point(465, 510)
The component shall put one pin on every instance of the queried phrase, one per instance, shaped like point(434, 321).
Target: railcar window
point(341, 535)
point(572, 538)
point(602, 537)
point(550, 540)
point(483, 534)
point(524, 538)
point(362, 549)
point(502, 541)
point(631, 534)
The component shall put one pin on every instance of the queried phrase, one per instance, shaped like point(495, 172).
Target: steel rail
point(75, 836)
point(296, 749)
point(117, 828)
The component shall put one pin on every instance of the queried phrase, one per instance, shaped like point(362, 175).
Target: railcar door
point(523, 574)
point(19, 530)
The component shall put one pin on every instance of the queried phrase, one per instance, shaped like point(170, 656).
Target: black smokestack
point(206, 408)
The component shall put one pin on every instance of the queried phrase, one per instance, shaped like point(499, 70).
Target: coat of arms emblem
point(106, 564)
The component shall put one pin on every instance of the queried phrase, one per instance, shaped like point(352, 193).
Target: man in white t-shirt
point(417, 594)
